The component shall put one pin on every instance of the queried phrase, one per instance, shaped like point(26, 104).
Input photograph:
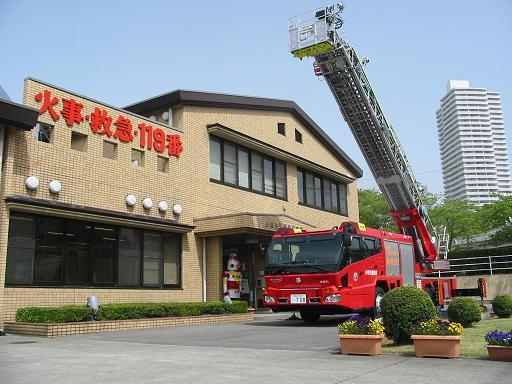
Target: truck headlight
point(336, 298)
point(269, 300)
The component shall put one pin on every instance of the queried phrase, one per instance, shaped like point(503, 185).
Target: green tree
point(428, 198)
point(460, 218)
point(498, 217)
point(374, 210)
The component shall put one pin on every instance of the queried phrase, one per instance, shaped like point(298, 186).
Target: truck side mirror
point(347, 239)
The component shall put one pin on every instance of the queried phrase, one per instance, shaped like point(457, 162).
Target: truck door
point(407, 263)
point(392, 258)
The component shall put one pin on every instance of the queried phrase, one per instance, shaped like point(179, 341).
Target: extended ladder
point(314, 34)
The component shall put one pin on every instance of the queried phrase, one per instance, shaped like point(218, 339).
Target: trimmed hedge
point(402, 309)
point(54, 314)
point(464, 310)
point(502, 305)
point(127, 311)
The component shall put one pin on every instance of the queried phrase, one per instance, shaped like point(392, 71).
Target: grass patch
point(472, 345)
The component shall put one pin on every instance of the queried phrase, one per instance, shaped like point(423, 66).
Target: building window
point(152, 260)
point(235, 165)
point(298, 136)
point(215, 159)
point(51, 251)
point(230, 172)
point(320, 192)
point(281, 129)
point(300, 186)
point(21, 246)
point(110, 150)
point(268, 176)
point(128, 260)
point(280, 179)
point(172, 257)
point(78, 141)
point(48, 254)
point(342, 193)
point(243, 167)
point(103, 255)
point(137, 158)
point(43, 132)
point(162, 164)
point(257, 171)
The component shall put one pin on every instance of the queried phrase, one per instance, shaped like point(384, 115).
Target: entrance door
point(250, 256)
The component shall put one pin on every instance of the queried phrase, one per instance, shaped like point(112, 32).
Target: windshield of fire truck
point(305, 254)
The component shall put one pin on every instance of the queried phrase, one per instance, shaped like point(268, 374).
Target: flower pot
point(436, 346)
point(361, 344)
point(499, 352)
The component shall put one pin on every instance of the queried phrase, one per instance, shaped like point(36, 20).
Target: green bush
point(402, 309)
point(502, 305)
point(464, 310)
point(127, 311)
point(152, 310)
point(54, 314)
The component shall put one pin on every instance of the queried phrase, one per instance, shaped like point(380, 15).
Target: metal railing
point(480, 265)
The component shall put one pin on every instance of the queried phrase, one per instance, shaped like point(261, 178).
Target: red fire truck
point(349, 268)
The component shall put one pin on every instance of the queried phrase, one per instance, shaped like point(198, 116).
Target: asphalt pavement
point(267, 350)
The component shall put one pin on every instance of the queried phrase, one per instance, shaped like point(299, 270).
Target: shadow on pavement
point(328, 321)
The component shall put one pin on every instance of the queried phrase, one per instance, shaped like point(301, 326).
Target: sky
point(121, 52)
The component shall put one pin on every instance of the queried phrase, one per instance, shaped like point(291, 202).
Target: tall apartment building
point(473, 144)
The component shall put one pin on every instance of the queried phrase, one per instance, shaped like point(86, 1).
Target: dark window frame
point(339, 210)
point(221, 163)
point(39, 219)
point(263, 158)
point(40, 132)
point(281, 128)
point(298, 136)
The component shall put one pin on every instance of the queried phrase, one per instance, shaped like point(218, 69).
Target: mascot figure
point(232, 279)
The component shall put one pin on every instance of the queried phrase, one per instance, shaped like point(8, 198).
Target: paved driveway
point(271, 331)
point(270, 349)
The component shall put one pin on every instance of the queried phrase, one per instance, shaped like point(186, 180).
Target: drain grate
point(23, 342)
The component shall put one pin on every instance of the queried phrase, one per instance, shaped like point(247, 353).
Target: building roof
point(194, 98)
point(17, 115)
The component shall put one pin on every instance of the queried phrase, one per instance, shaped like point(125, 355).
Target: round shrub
point(464, 310)
point(502, 305)
point(402, 309)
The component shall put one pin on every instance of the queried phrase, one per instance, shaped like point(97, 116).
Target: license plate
point(298, 299)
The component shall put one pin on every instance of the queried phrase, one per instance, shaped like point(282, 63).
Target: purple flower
point(499, 338)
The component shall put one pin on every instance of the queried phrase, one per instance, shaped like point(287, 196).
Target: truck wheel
point(377, 309)
point(309, 316)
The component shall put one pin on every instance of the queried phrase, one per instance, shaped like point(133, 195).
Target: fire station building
point(146, 203)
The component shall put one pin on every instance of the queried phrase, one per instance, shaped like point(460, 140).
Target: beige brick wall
point(91, 180)
point(215, 268)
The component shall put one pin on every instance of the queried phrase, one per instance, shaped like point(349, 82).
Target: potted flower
point(499, 345)
point(360, 335)
point(437, 338)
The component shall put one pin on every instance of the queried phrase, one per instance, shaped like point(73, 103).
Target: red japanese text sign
point(100, 122)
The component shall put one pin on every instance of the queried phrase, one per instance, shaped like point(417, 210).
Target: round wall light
point(55, 186)
point(131, 200)
point(177, 209)
point(152, 118)
point(162, 206)
point(165, 116)
point(147, 203)
point(32, 182)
